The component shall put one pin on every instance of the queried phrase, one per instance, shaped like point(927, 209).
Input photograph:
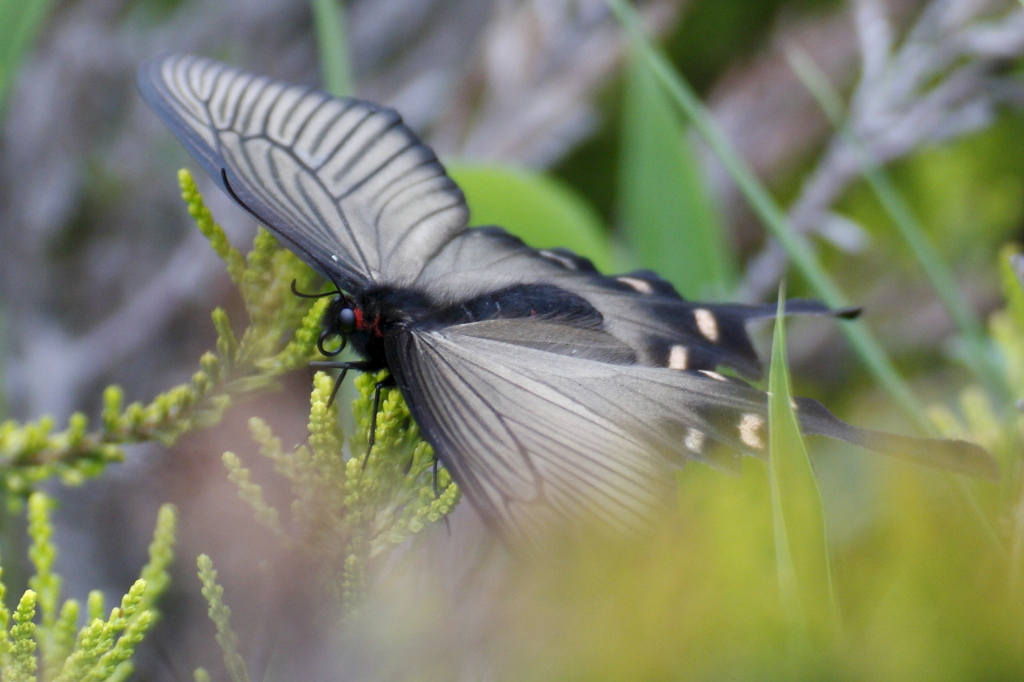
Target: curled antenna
point(330, 353)
point(301, 294)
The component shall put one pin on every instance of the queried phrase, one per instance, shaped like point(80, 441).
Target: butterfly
point(551, 392)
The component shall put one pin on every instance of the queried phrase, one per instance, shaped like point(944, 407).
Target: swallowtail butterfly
point(550, 392)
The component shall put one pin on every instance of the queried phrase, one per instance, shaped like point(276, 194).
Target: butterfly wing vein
point(343, 181)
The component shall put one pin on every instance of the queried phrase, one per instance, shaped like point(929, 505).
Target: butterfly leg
point(387, 382)
point(437, 494)
point(344, 367)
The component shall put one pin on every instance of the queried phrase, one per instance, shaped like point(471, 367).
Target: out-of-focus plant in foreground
point(912, 589)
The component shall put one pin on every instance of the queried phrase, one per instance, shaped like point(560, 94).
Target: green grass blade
point(906, 222)
point(20, 23)
point(798, 517)
point(669, 217)
point(538, 208)
point(332, 43)
point(799, 251)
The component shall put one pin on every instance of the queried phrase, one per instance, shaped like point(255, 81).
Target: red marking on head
point(359, 318)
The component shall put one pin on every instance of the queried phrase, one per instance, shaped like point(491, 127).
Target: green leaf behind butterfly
point(667, 212)
point(538, 208)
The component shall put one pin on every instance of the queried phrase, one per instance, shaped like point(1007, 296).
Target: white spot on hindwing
point(678, 357)
point(706, 323)
point(712, 375)
point(334, 258)
point(751, 427)
point(638, 285)
point(567, 263)
point(694, 440)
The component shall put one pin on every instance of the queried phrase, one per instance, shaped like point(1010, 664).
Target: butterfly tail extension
point(794, 306)
point(953, 455)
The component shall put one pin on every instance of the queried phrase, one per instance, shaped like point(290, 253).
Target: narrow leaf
point(667, 212)
point(20, 23)
point(332, 43)
point(903, 217)
point(801, 550)
point(767, 209)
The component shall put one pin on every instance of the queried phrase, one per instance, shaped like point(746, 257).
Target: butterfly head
point(341, 319)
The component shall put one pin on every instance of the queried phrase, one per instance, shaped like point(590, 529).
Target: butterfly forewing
point(344, 182)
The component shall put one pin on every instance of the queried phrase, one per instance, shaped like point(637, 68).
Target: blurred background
point(556, 129)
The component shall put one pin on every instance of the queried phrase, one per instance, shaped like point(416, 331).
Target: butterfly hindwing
point(524, 445)
point(573, 431)
point(344, 182)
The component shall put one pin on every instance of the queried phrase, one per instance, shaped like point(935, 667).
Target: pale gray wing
point(343, 182)
point(525, 446)
point(569, 428)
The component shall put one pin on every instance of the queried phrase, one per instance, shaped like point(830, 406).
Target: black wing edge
point(153, 89)
point(958, 456)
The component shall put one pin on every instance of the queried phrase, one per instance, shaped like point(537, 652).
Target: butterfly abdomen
point(537, 301)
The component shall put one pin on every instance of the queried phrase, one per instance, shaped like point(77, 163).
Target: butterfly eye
point(347, 321)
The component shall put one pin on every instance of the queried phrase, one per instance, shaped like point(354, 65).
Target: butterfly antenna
point(238, 200)
point(302, 294)
point(326, 334)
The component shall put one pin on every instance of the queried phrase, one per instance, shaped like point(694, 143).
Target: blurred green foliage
point(348, 512)
point(666, 211)
point(332, 42)
point(910, 228)
point(20, 22)
point(798, 516)
point(711, 38)
point(220, 614)
point(538, 208)
point(715, 34)
point(802, 256)
point(280, 337)
point(969, 195)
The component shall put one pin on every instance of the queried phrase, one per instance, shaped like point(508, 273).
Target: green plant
point(347, 512)
point(55, 648)
point(280, 337)
point(22, 21)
